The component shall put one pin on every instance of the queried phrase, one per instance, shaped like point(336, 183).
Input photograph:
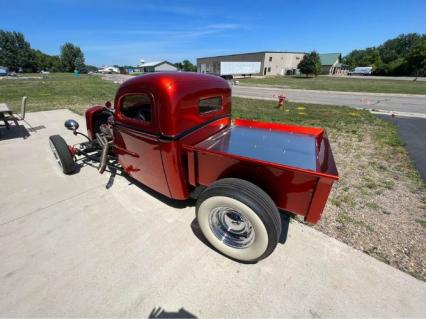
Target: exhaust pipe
point(104, 155)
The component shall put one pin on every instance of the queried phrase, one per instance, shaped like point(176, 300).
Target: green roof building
point(331, 63)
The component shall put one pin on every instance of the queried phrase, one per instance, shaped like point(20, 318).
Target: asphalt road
point(404, 103)
point(413, 132)
point(380, 77)
point(91, 245)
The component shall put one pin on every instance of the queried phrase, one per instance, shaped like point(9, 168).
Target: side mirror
point(72, 125)
point(108, 104)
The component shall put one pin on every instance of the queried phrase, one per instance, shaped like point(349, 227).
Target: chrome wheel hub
point(55, 153)
point(231, 227)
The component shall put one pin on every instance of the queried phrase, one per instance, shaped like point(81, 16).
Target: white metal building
point(157, 66)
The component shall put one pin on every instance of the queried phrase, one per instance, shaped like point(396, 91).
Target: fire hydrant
point(281, 101)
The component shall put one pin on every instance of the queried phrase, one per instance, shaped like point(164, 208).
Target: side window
point(137, 106)
point(270, 59)
point(210, 105)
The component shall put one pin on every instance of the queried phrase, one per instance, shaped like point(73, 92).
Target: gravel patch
point(378, 206)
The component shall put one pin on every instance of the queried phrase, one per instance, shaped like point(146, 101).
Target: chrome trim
point(231, 227)
point(55, 153)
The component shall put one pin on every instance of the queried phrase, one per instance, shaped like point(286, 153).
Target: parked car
point(173, 132)
point(3, 71)
point(83, 70)
point(364, 70)
point(109, 70)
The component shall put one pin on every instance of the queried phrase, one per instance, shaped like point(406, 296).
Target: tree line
point(186, 65)
point(403, 55)
point(17, 55)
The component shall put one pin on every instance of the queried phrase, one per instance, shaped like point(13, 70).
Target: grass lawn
point(347, 84)
point(379, 204)
point(56, 91)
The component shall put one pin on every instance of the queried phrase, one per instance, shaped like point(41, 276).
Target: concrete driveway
point(92, 245)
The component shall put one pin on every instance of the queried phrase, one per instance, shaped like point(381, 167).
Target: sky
point(124, 32)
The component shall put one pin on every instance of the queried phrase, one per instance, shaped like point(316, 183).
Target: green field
point(346, 84)
point(377, 179)
point(56, 91)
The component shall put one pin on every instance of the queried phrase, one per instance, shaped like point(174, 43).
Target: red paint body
point(168, 156)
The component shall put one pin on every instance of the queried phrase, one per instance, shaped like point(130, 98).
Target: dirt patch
point(378, 206)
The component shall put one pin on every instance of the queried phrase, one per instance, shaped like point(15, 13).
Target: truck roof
point(176, 97)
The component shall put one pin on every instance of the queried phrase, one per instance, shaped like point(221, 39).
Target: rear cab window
point(210, 105)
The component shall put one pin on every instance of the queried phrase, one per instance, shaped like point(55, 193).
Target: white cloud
point(156, 44)
point(187, 33)
point(224, 26)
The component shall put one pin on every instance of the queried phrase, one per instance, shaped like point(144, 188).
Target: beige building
point(271, 62)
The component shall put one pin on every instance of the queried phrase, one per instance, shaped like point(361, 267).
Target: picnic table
point(5, 114)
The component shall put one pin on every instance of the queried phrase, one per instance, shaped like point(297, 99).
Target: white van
point(361, 70)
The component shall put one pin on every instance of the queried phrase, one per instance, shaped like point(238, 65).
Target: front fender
point(90, 115)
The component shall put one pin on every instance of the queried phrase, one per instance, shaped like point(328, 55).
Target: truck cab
point(173, 133)
point(155, 114)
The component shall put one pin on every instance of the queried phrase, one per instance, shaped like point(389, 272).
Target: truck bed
point(287, 145)
point(293, 164)
point(284, 148)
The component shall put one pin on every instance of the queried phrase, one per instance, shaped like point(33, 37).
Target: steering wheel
point(141, 116)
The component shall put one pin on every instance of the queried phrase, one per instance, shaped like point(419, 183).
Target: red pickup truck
point(173, 132)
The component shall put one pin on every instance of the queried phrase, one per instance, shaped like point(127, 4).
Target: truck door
point(136, 140)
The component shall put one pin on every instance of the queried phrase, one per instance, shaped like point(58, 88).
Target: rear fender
point(290, 191)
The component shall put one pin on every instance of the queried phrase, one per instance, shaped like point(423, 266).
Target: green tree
point(186, 65)
point(79, 63)
point(72, 58)
point(367, 57)
point(416, 59)
point(399, 47)
point(179, 65)
point(15, 52)
point(310, 64)
point(47, 62)
point(399, 56)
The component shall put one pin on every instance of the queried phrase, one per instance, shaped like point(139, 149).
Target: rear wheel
point(62, 154)
point(239, 219)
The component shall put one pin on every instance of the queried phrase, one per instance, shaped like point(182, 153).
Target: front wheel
point(239, 219)
point(62, 154)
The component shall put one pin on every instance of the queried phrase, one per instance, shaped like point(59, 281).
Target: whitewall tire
point(239, 219)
